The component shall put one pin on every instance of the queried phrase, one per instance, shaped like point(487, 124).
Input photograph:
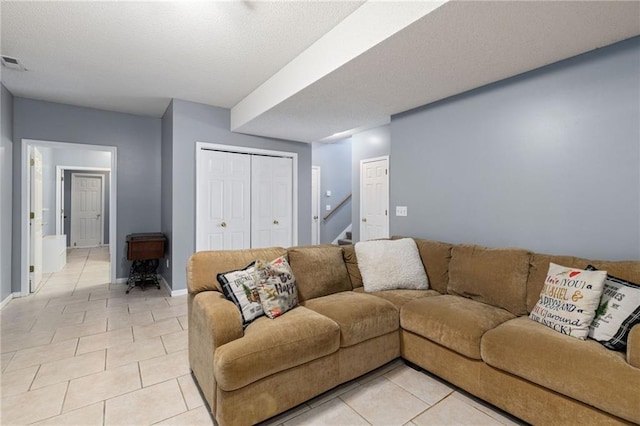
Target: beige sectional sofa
point(470, 328)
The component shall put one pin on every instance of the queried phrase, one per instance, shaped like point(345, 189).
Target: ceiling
point(298, 70)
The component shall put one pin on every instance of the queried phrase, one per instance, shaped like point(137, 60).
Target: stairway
point(347, 240)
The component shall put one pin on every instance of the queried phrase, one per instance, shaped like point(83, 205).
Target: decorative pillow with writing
point(240, 288)
point(276, 286)
point(391, 264)
point(618, 312)
point(569, 299)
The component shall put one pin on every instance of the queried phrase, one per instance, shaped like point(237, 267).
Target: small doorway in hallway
point(85, 216)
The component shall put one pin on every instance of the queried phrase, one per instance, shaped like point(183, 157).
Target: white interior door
point(315, 205)
point(86, 210)
point(271, 201)
point(36, 223)
point(223, 197)
point(374, 198)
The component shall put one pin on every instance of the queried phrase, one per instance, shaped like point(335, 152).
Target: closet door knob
point(275, 222)
point(223, 224)
point(364, 219)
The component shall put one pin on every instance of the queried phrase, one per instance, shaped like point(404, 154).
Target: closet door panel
point(271, 201)
point(223, 201)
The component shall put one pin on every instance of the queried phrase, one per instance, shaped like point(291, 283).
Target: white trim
point(370, 160)
point(174, 293)
point(8, 299)
point(60, 194)
point(247, 150)
point(317, 225)
point(74, 175)
point(25, 194)
point(342, 235)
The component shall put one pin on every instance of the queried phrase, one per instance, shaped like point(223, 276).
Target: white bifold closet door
point(271, 201)
point(223, 201)
point(243, 201)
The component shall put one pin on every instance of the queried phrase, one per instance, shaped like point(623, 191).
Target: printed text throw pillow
point(569, 299)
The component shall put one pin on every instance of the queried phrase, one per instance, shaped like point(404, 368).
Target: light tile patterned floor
point(82, 352)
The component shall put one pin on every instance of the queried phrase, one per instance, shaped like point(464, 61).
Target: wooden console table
point(145, 250)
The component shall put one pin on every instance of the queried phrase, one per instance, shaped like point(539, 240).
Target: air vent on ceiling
point(12, 63)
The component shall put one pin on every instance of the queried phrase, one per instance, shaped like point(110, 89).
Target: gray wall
point(548, 161)
point(138, 160)
point(368, 144)
point(67, 203)
point(6, 170)
point(166, 224)
point(193, 122)
point(334, 160)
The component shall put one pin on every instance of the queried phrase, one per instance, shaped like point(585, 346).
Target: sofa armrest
point(213, 321)
point(633, 347)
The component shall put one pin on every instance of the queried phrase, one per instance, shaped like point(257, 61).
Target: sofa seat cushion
point(581, 369)
point(400, 296)
point(454, 322)
point(273, 345)
point(360, 316)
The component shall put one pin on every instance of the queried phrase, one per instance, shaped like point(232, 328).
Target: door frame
point(35, 258)
point(93, 176)
point(247, 150)
point(60, 170)
point(362, 162)
point(318, 199)
point(25, 196)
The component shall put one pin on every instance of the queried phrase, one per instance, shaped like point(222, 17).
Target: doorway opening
point(56, 157)
point(374, 198)
point(315, 205)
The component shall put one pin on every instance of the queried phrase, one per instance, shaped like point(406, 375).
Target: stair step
point(342, 242)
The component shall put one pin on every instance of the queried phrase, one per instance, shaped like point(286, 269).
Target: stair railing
point(336, 208)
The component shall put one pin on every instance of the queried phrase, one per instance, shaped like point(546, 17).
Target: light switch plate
point(328, 207)
point(401, 210)
point(328, 193)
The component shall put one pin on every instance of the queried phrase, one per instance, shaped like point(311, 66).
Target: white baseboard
point(8, 299)
point(173, 293)
point(342, 235)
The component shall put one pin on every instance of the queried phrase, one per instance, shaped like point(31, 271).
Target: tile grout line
point(183, 397)
point(64, 399)
point(34, 378)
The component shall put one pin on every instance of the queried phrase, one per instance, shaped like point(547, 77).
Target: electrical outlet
point(401, 210)
point(328, 193)
point(328, 207)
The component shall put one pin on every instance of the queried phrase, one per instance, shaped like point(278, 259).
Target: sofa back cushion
point(626, 269)
point(319, 271)
point(351, 261)
point(435, 258)
point(496, 276)
point(204, 266)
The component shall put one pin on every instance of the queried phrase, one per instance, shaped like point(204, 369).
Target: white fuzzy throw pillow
point(391, 264)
